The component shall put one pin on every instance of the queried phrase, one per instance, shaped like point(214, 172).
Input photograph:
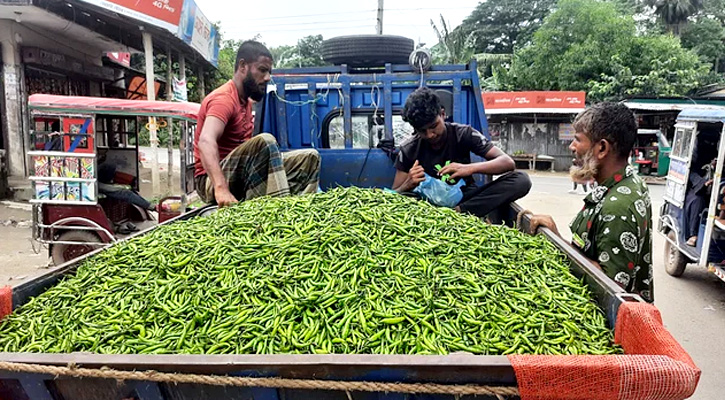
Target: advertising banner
point(120, 58)
point(162, 13)
point(180, 92)
point(543, 102)
point(183, 18)
point(198, 32)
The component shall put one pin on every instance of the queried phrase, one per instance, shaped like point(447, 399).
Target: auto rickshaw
point(696, 166)
point(652, 152)
point(84, 151)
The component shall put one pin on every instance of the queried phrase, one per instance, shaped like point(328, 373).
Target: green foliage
point(714, 9)
point(500, 26)
point(162, 134)
point(284, 56)
point(309, 52)
point(706, 37)
point(454, 47)
point(590, 45)
point(227, 59)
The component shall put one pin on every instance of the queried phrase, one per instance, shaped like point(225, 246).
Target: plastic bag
point(440, 193)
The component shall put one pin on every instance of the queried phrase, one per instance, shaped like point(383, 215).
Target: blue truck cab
point(352, 116)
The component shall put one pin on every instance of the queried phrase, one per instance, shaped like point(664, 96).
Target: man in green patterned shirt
point(613, 229)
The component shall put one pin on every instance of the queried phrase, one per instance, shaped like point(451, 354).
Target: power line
point(429, 8)
point(372, 24)
point(302, 23)
point(314, 15)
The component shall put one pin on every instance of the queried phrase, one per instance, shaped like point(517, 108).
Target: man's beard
point(587, 170)
point(251, 89)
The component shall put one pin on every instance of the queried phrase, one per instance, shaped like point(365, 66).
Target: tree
point(309, 52)
point(284, 56)
point(706, 37)
point(714, 9)
point(227, 59)
point(454, 47)
point(499, 26)
point(674, 13)
point(589, 45)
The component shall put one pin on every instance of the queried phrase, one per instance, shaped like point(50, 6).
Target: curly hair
point(611, 121)
point(422, 108)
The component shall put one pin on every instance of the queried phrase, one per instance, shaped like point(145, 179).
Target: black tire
point(65, 252)
point(675, 261)
point(367, 50)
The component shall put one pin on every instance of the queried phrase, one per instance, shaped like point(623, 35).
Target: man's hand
point(542, 220)
point(416, 175)
point(224, 197)
point(457, 170)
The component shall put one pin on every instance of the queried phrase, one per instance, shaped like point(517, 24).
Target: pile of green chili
point(350, 271)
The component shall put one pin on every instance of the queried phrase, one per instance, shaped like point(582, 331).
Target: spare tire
point(367, 50)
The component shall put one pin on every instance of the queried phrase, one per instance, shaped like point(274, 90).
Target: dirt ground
point(18, 259)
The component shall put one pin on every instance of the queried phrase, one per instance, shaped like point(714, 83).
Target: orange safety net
point(6, 301)
point(654, 366)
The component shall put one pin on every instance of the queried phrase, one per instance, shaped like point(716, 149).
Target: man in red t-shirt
point(231, 165)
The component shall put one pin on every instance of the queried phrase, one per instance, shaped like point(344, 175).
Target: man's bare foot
point(692, 241)
point(457, 209)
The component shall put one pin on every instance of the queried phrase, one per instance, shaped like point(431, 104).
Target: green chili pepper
point(346, 271)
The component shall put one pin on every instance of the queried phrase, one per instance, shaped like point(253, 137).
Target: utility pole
point(380, 17)
point(169, 120)
point(151, 95)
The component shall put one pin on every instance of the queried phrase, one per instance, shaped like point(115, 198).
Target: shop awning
point(671, 106)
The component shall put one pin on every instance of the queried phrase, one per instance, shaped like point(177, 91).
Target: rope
point(521, 215)
point(281, 383)
point(312, 102)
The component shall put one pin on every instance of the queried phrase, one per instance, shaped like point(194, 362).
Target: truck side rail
point(609, 294)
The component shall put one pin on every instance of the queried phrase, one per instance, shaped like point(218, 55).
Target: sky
point(283, 22)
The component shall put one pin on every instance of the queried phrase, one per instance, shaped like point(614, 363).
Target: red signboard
point(533, 100)
point(162, 13)
point(120, 58)
point(165, 10)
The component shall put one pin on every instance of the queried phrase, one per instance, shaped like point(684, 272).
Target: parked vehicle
point(698, 140)
point(72, 139)
point(651, 152)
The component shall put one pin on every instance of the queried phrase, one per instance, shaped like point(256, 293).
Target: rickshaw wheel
point(65, 252)
point(675, 261)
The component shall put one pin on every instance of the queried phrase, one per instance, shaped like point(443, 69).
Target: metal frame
point(403, 76)
point(711, 211)
point(700, 259)
point(90, 226)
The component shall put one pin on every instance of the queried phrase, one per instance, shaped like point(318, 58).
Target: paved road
point(146, 156)
point(692, 306)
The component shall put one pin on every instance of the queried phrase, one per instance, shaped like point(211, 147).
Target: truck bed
point(448, 369)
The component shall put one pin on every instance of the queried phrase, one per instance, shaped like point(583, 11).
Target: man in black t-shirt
point(437, 142)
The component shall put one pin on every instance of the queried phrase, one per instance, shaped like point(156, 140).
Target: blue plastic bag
point(440, 193)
